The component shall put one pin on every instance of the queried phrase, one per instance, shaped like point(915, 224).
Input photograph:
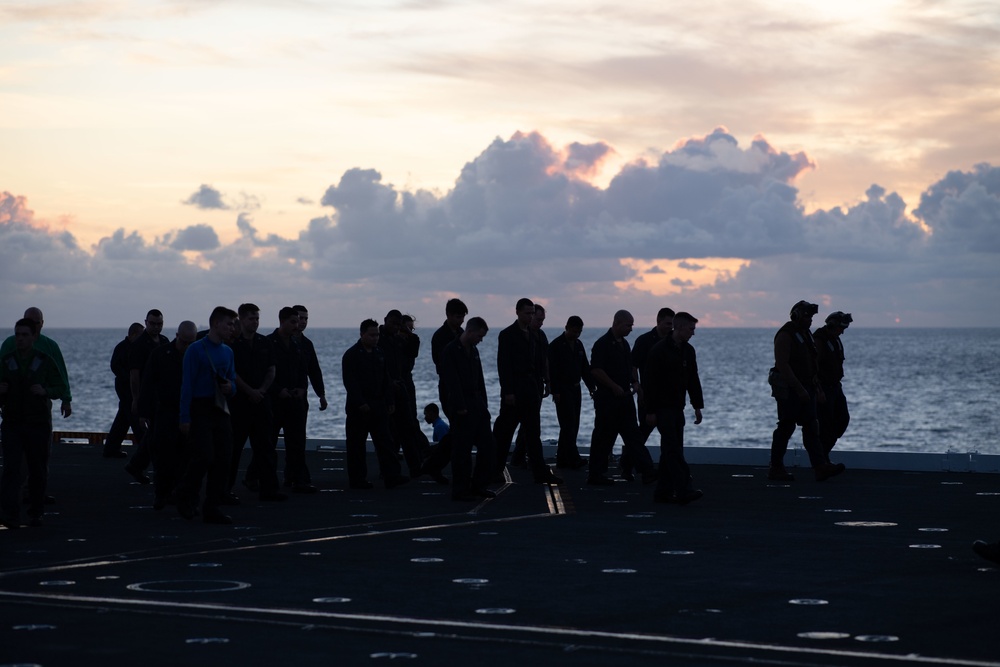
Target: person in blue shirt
point(432, 415)
point(208, 381)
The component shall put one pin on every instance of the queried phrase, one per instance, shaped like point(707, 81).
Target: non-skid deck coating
point(870, 568)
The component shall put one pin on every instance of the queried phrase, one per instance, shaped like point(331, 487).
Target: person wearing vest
point(795, 387)
point(833, 413)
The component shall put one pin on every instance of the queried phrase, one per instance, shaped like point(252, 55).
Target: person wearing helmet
point(833, 414)
point(795, 387)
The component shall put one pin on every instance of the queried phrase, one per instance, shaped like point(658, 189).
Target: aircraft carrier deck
point(873, 567)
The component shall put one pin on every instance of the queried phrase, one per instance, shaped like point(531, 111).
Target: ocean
point(909, 390)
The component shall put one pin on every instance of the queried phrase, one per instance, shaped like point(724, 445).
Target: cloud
point(523, 218)
point(208, 198)
point(963, 210)
point(196, 237)
point(34, 257)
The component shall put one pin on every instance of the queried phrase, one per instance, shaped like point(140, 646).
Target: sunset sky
point(726, 158)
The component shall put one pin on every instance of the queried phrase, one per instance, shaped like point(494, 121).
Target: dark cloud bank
point(522, 219)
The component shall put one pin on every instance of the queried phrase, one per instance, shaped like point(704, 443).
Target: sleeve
point(52, 381)
point(585, 368)
point(313, 370)
point(694, 384)
point(598, 355)
point(638, 356)
point(352, 383)
point(119, 359)
point(230, 367)
point(436, 348)
point(556, 358)
point(56, 354)
point(504, 370)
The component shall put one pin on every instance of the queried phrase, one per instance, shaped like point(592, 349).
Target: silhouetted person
point(832, 412)
point(49, 348)
point(520, 394)
point(518, 457)
point(454, 314)
point(401, 420)
point(159, 409)
point(252, 414)
point(432, 415)
point(568, 366)
point(123, 418)
point(795, 387)
point(643, 344)
point(29, 380)
point(462, 380)
point(439, 454)
point(614, 408)
point(138, 354)
point(209, 378)
point(411, 350)
point(313, 369)
point(669, 377)
point(369, 405)
point(288, 399)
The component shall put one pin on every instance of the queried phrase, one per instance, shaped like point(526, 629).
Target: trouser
point(675, 475)
point(440, 455)
point(568, 413)
point(467, 431)
point(614, 416)
point(168, 450)
point(409, 409)
point(401, 428)
point(211, 442)
point(290, 419)
point(645, 430)
point(359, 425)
point(445, 408)
point(254, 421)
point(833, 417)
point(794, 411)
point(28, 443)
point(120, 425)
point(526, 413)
point(140, 455)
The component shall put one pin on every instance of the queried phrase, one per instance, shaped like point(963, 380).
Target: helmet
point(803, 309)
point(839, 319)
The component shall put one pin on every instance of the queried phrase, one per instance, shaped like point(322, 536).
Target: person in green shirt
point(29, 380)
point(50, 348)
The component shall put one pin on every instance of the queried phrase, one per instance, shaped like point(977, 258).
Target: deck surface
point(870, 568)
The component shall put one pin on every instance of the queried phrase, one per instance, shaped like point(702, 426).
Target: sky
point(727, 158)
